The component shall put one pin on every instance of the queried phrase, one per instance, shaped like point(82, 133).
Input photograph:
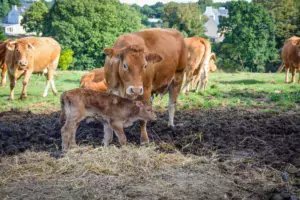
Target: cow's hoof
point(10, 99)
point(172, 127)
point(144, 142)
point(23, 97)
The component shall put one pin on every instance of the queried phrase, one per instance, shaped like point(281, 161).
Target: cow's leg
point(3, 75)
point(299, 76)
point(118, 128)
point(25, 83)
point(143, 124)
point(12, 81)
point(204, 79)
point(287, 74)
point(294, 70)
point(50, 81)
point(108, 135)
point(174, 90)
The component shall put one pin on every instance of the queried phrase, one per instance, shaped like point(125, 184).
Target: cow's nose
point(23, 63)
point(137, 90)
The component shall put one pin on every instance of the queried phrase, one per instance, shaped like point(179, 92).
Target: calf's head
point(22, 50)
point(132, 62)
point(145, 110)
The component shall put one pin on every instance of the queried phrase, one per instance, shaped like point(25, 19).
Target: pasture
point(232, 141)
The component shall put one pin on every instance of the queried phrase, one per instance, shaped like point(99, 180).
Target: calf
point(113, 111)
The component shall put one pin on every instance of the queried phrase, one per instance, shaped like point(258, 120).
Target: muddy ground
point(260, 139)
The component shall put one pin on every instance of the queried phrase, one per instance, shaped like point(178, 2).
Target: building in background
point(213, 22)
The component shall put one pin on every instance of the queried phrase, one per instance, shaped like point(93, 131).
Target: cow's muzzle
point(135, 90)
point(23, 63)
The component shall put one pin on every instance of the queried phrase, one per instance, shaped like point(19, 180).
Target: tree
point(66, 58)
point(183, 17)
point(286, 15)
point(249, 36)
point(88, 26)
point(34, 17)
point(4, 8)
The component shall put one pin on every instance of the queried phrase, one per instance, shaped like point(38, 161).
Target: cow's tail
point(281, 67)
point(207, 53)
point(86, 78)
point(3, 51)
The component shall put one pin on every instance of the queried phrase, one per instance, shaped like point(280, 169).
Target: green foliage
point(286, 14)
point(2, 36)
point(66, 58)
point(183, 17)
point(88, 26)
point(249, 37)
point(34, 17)
point(204, 3)
point(14, 2)
point(153, 11)
point(4, 8)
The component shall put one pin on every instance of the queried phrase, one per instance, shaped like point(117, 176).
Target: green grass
point(249, 90)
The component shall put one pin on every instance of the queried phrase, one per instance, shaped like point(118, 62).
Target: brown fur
point(199, 51)
point(3, 66)
point(156, 65)
point(28, 56)
point(114, 112)
point(94, 80)
point(291, 58)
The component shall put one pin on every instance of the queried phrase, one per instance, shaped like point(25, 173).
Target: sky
point(151, 2)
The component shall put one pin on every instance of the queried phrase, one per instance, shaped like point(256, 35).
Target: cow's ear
point(213, 56)
point(11, 46)
point(109, 52)
point(31, 46)
point(153, 57)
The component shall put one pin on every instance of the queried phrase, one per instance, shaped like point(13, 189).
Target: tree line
point(254, 32)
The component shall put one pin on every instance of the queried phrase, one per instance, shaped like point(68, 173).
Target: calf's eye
point(125, 66)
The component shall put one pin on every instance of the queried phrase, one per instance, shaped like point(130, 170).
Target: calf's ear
point(153, 57)
point(139, 104)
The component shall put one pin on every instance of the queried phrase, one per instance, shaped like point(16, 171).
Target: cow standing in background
point(94, 80)
point(3, 66)
point(290, 54)
point(28, 56)
point(147, 62)
point(200, 62)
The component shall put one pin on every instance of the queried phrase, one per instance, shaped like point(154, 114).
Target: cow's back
point(46, 51)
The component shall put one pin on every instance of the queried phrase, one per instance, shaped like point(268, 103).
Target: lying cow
point(28, 56)
point(94, 80)
point(114, 112)
point(291, 58)
point(147, 62)
point(200, 62)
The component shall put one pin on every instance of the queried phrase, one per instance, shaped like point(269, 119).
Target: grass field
point(232, 141)
point(263, 91)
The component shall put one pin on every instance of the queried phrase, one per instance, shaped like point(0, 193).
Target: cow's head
point(212, 64)
point(132, 62)
point(297, 43)
point(22, 50)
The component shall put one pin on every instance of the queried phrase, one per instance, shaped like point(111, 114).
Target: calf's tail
point(63, 110)
point(281, 67)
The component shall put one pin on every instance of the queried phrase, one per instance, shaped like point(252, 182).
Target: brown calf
point(113, 111)
point(94, 80)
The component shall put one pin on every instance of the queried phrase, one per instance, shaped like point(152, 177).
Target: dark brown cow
point(30, 55)
point(94, 80)
point(113, 111)
point(3, 66)
point(147, 62)
point(291, 58)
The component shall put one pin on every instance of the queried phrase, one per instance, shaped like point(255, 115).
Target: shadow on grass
point(72, 81)
point(244, 82)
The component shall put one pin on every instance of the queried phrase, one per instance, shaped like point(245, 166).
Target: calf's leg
point(118, 128)
point(108, 135)
point(68, 133)
point(287, 74)
point(293, 75)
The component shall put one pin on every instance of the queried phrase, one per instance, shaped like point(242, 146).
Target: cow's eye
point(145, 66)
point(17, 49)
point(125, 67)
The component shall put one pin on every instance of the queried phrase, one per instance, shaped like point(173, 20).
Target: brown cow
point(3, 66)
point(147, 62)
point(94, 80)
point(291, 58)
point(28, 56)
point(199, 60)
point(113, 111)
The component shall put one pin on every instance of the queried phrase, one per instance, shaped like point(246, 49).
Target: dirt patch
point(238, 140)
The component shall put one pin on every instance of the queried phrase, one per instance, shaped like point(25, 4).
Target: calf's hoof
point(144, 142)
